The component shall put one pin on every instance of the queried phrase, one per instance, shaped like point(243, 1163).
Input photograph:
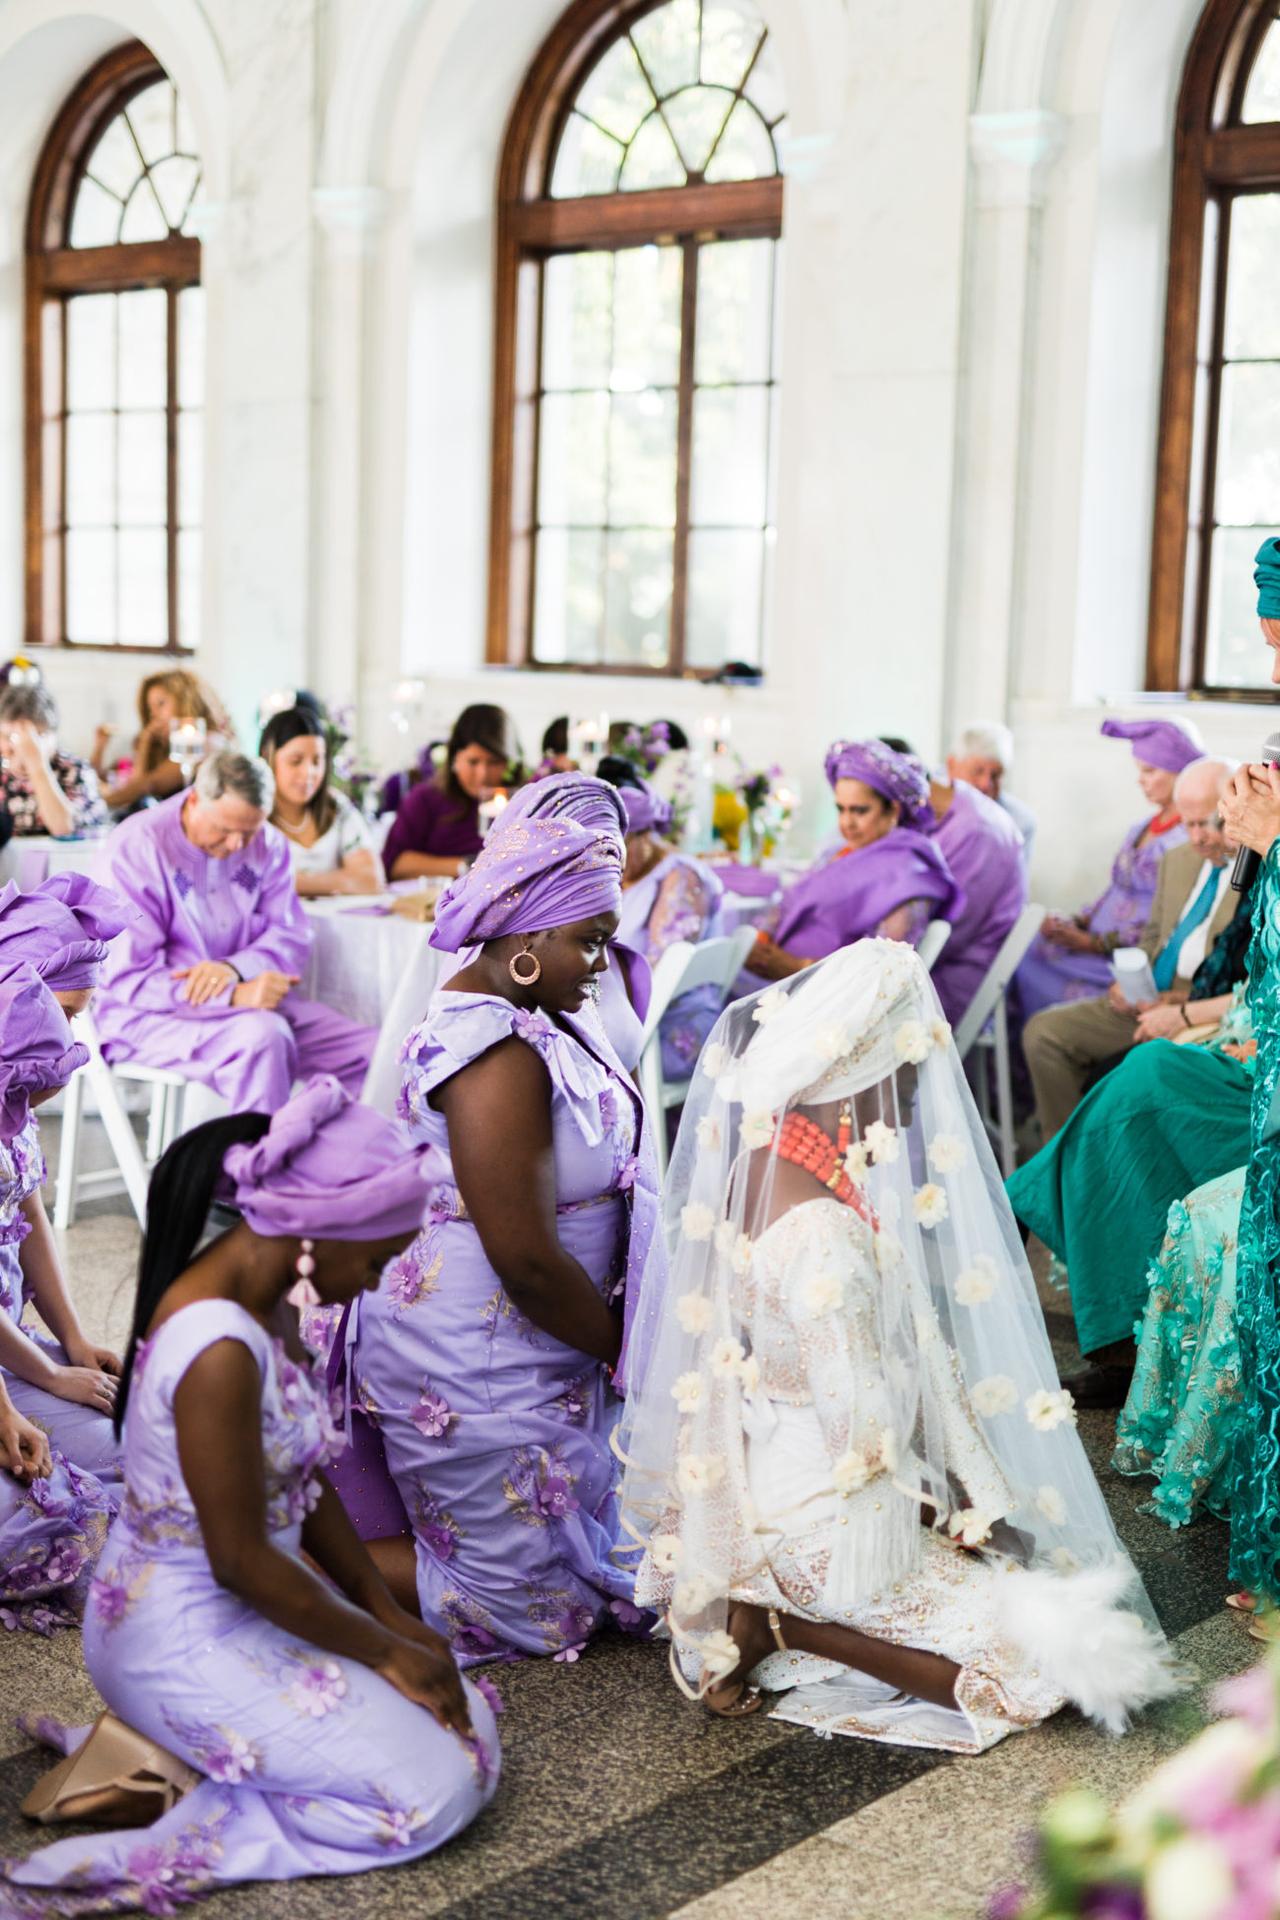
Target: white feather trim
point(1075, 1630)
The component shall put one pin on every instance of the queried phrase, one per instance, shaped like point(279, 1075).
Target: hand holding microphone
point(1251, 812)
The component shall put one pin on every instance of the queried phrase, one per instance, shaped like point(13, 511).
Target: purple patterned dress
point(497, 1435)
point(1049, 975)
point(678, 900)
point(51, 1531)
point(313, 1764)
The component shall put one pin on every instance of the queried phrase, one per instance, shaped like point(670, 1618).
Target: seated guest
point(236, 1621)
point(59, 1459)
point(437, 829)
point(56, 938)
point(488, 1362)
point(328, 839)
point(983, 849)
point(886, 875)
point(1071, 959)
point(203, 979)
point(555, 748)
point(1167, 1118)
point(667, 896)
point(1067, 1046)
point(850, 1467)
point(163, 698)
point(981, 757)
point(43, 789)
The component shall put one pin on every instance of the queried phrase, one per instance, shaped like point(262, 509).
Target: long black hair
point(303, 722)
point(178, 1200)
point(489, 728)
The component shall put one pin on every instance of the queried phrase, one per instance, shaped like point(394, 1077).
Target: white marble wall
point(975, 232)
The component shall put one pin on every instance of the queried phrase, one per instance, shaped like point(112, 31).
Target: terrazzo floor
point(620, 1799)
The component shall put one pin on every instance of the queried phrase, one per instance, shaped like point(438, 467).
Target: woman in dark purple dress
point(437, 828)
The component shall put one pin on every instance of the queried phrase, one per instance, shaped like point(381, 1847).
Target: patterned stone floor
point(620, 1799)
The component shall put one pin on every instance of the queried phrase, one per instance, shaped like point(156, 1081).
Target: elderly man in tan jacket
point(1068, 1046)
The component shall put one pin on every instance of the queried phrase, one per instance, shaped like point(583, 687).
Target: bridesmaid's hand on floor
point(430, 1679)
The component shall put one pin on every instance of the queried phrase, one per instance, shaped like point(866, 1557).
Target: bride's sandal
point(1244, 1602)
point(775, 1628)
point(116, 1778)
point(740, 1700)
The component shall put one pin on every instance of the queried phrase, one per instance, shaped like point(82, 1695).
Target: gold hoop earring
point(525, 979)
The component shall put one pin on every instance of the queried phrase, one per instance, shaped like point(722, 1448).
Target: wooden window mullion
point(684, 452)
point(1203, 535)
point(174, 640)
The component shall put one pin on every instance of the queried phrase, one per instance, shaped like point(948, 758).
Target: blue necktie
point(1165, 969)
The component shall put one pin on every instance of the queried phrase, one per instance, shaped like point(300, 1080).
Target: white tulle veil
point(950, 1411)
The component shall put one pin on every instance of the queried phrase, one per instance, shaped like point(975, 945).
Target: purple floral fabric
point(497, 1436)
point(312, 1763)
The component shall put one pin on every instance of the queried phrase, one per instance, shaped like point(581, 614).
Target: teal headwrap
point(1266, 574)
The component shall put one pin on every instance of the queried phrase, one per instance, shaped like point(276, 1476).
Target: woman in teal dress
point(1163, 1122)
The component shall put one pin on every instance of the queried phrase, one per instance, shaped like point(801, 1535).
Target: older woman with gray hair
point(203, 981)
point(44, 789)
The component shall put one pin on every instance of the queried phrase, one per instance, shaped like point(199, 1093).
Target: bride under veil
point(851, 1433)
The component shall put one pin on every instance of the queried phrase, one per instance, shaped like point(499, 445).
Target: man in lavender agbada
point(983, 849)
point(203, 981)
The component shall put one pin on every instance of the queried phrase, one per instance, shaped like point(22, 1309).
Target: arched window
point(1218, 477)
point(114, 367)
point(635, 425)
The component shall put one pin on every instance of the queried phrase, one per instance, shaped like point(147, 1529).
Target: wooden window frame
point(1216, 159)
point(54, 268)
point(532, 227)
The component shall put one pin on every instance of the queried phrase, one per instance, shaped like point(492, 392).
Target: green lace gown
point(1255, 1454)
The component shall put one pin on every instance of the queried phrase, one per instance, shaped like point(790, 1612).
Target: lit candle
point(187, 745)
point(490, 811)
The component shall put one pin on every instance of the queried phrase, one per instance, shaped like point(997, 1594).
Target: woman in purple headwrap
point(886, 878)
point(666, 897)
point(235, 1619)
point(1071, 959)
point(56, 935)
point(53, 1513)
point(487, 1361)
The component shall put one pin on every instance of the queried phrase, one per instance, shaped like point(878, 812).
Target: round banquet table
point(378, 968)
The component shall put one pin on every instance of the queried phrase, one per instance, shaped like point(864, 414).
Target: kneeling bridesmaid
point(331, 1729)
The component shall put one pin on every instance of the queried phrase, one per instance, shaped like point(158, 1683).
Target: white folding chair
point(170, 1113)
point(932, 941)
point(984, 1031)
point(682, 968)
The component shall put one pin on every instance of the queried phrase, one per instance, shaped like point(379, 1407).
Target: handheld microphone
point(1245, 870)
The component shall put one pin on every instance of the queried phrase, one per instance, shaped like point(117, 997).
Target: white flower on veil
point(1046, 1410)
point(1052, 1505)
point(976, 1283)
point(940, 1034)
point(697, 1222)
point(971, 1526)
point(687, 1392)
point(710, 1133)
point(665, 1550)
point(996, 1394)
point(856, 1162)
point(720, 1654)
point(727, 1356)
point(832, 1044)
point(693, 1311)
point(757, 1129)
point(911, 1042)
point(822, 1293)
point(716, 1059)
point(699, 1472)
point(947, 1153)
point(769, 1006)
point(930, 1205)
point(882, 1143)
point(693, 1594)
point(852, 1472)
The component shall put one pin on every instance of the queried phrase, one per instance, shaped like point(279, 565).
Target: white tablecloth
point(30, 858)
point(377, 968)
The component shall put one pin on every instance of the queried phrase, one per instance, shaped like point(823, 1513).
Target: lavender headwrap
point(37, 1051)
point(1168, 744)
point(536, 871)
point(570, 796)
point(331, 1169)
point(61, 928)
point(892, 775)
point(647, 811)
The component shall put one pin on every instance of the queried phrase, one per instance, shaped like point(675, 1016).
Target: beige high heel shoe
point(118, 1778)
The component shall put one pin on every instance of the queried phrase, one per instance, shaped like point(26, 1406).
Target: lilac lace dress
point(498, 1436)
point(313, 1764)
point(51, 1531)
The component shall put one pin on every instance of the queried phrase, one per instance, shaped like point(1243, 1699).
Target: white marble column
point(1012, 155)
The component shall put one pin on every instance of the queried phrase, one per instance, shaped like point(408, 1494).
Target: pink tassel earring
point(303, 1293)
